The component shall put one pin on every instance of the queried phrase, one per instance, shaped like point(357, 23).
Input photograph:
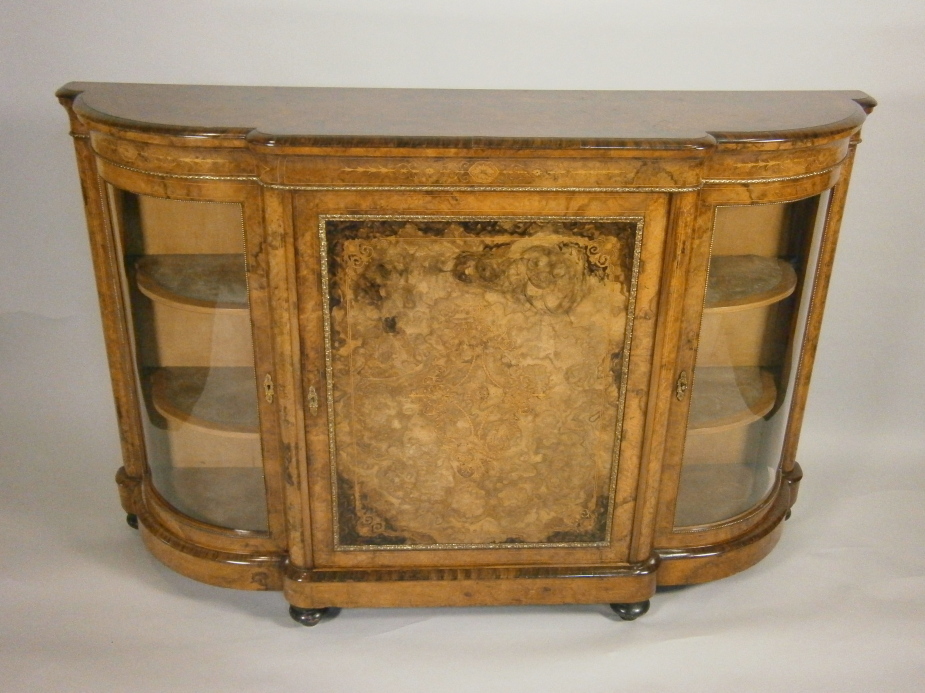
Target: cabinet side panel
point(688, 340)
point(681, 242)
point(284, 307)
point(260, 284)
point(112, 309)
point(820, 289)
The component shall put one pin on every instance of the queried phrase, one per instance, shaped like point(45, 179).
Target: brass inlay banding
point(779, 179)
point(471, 188)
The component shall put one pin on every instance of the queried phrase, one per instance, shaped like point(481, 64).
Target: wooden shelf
point(215, 400)
point(724, 398)
point(742, 282)
point(204, 283)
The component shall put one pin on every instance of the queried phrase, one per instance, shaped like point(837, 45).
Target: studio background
point(840, 603)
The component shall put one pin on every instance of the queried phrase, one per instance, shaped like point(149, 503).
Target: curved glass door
point(185, 280)
point(762, 262)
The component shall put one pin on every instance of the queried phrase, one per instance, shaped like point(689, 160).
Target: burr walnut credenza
point(389, 347)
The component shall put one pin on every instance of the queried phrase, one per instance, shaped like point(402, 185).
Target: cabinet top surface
point(468, 117)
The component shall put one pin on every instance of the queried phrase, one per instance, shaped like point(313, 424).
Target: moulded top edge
point(468, 118)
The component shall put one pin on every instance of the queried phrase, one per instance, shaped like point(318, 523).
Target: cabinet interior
point(757, 269)
point(186, 281)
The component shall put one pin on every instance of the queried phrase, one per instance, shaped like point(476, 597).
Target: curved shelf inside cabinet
point(727, 397)
point(742, 282)
point(216, 400)
point(202, 283)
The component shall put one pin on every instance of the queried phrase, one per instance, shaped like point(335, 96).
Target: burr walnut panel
point(475, 377)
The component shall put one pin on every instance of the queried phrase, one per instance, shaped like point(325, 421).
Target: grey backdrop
point(840, 605)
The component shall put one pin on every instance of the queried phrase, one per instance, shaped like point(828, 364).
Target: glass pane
point(186, 282)
point(762, 261)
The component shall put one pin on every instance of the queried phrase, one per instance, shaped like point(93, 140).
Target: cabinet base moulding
point(470, 587)
point(700, 564)
point(219, 568)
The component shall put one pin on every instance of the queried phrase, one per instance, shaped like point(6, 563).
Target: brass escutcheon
point(680, 387)
point(312, 400)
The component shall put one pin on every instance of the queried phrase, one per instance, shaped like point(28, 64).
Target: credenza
point(394, 347)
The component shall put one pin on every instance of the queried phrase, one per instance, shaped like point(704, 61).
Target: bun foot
point(307, 617)
point(632, 611)
point(132, 520)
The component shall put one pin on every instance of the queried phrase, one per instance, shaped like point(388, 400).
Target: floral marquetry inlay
point(465, 172)
point(475, 371)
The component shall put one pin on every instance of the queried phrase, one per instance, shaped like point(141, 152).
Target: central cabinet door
point(475, 372)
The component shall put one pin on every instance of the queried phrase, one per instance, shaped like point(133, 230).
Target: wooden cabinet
point(408, 348)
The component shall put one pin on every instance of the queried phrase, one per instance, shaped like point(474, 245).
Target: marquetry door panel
point(474, 373)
